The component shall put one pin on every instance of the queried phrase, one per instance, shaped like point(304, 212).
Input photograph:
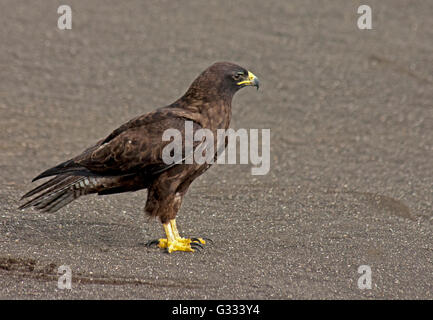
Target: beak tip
point(257, 83)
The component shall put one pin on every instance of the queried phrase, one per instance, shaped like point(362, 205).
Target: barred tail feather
point(58, 192)
point(44, 186)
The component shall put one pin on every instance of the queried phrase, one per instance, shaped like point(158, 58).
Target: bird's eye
point(238, 75)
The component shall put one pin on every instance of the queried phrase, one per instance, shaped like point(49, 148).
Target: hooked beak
point(252, 81)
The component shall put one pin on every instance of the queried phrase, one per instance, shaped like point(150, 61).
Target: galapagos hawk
point(130, 158)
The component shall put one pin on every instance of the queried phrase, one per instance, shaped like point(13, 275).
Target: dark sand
point(351, 122)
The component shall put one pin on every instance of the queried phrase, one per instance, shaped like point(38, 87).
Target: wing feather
point(134, 147)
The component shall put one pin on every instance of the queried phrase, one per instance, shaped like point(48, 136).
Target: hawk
point(130, 158)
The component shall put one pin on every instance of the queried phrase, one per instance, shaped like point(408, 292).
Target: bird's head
point(224, 78)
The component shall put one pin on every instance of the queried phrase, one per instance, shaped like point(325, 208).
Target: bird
point(130, 157)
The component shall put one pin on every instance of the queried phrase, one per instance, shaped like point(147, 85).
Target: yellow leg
point(174, 242)
point(174, 228)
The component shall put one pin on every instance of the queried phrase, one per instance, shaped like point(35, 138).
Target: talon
point(196, 245)
point(198, 240)
point(208, 240)
point(197, 248)
point(151, 243)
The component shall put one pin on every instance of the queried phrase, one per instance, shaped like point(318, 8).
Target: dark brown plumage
point(130, 158)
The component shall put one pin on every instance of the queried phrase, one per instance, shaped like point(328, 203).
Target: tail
point(68, 167)
point(58, 192)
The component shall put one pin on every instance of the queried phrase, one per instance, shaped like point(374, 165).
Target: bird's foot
point(182, 244)
point(174, 242)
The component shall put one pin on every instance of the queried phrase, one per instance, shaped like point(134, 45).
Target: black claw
point(151, 243)
point(197, 240)
point(199, 244)
point(196, 246)
point(208, 240)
